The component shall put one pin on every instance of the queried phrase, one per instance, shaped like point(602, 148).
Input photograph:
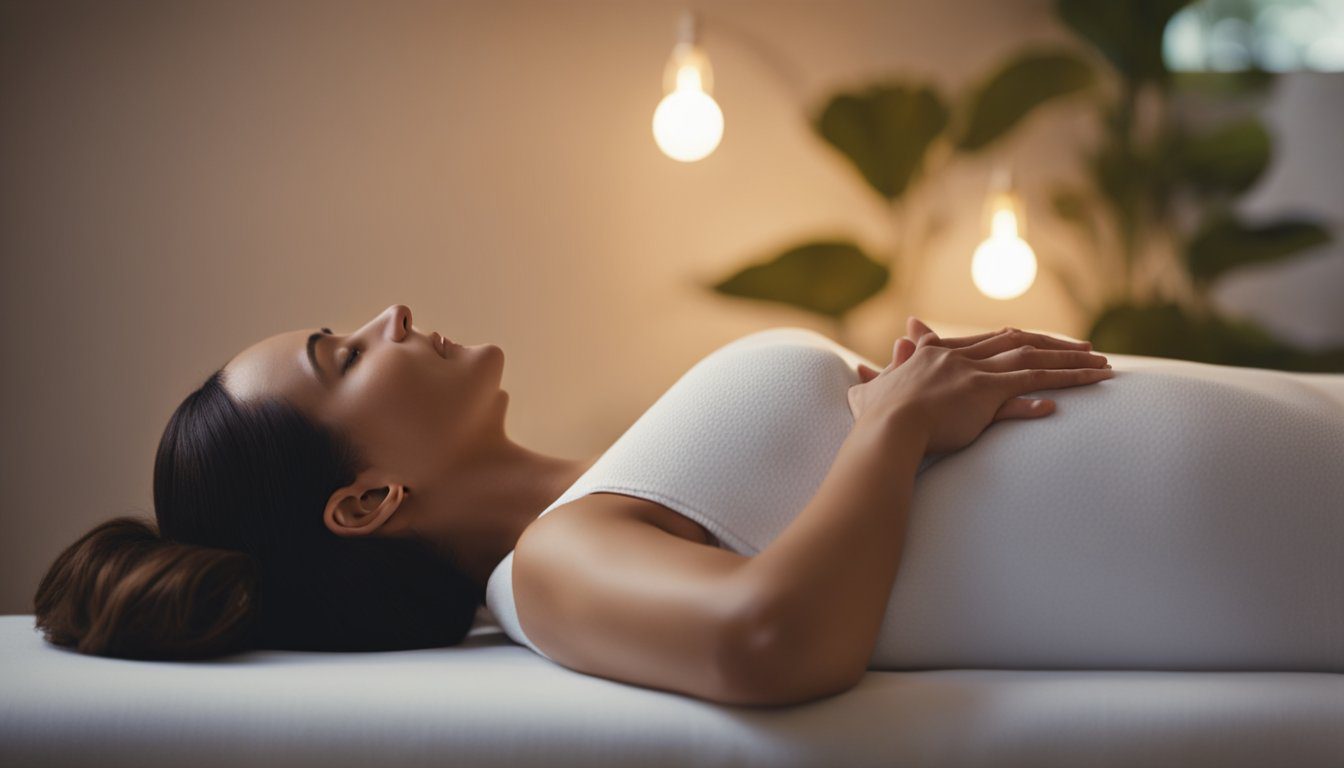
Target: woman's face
point(409, 407)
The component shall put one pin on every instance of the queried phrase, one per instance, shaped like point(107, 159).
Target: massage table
point(491, 702)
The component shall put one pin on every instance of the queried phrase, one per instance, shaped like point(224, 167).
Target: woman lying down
point(783, 518)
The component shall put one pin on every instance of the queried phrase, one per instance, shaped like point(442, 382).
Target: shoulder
point(791, 349)
point(784, 343)
point(781, 335)
point(595, 513)
point(583, 534)
point(600, 587)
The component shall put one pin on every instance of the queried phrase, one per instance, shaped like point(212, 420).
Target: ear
point(362, 507)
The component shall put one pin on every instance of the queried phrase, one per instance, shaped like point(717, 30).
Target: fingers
point(915, 327)
point(1024, 408)
point(904, 349)
point(1033, 379)
point(916, 330)
point(965, 341)
point(1010, 338)
point(1031, 357)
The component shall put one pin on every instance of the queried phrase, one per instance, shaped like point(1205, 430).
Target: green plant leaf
point(1159, 330)
point(1166, 330)
point(1227, 160)
point(1127, 32)
point(1241, 84)
point(1225, 243)
point(1027, 81)
point(884, 131)
point(1124, 180)
point(1234, 341)
point(1240, 341)
point(828, 277)
point(1073, 206)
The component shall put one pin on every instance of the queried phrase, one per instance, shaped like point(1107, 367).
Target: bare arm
point(814, 600)
point(603, 590)
point(607, 593)
point(820, 589)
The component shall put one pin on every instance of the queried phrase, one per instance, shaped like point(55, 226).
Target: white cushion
point(490, 702)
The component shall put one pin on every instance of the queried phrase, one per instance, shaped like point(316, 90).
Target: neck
point(479, 510)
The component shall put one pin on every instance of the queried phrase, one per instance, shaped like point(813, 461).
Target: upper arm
point(616, 596)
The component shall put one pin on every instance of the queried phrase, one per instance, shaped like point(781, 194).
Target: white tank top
point(1190, 517)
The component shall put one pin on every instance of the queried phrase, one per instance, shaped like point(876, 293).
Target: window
point(1269, 35)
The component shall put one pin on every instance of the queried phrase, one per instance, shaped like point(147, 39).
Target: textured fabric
point(1179, 516)
point(490, 703)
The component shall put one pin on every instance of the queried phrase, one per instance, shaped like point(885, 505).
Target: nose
point(395, 321)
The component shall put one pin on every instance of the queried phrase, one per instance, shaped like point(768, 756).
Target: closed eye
point(350, 359)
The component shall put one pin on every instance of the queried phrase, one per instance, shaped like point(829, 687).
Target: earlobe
point(362, 507)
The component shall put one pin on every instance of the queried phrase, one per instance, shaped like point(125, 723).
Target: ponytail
point(121, 590)
point(239, 490)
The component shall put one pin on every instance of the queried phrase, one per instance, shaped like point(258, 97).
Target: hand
point(905, 346)
point(954, 392)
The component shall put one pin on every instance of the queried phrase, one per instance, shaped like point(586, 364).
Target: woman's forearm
point(818, 593)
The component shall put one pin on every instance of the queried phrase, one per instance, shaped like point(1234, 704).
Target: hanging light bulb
point(688, 124)
point(1004, 266)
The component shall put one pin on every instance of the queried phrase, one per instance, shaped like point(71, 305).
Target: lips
point(440, 344)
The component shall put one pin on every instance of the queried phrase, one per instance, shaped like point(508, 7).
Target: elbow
point(749, 657)
point(765, 661)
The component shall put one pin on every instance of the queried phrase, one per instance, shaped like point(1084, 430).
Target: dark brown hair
point(239, 556)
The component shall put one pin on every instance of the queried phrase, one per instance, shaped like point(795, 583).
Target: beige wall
point(182, 179)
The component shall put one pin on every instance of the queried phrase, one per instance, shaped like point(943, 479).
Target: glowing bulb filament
point(1004, 224)
point(688, 78)
point(1004, 266)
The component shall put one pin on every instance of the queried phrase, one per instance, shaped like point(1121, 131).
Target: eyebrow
point(312, 354)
